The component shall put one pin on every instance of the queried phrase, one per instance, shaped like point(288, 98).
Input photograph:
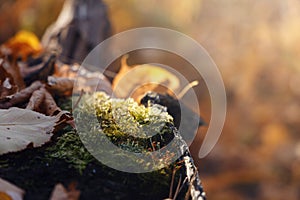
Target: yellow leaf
point(23, 44)
point(137, 80)
point(27, 37)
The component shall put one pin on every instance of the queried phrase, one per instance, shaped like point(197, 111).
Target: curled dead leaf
point(43, 102)
point(7, 84)
point(39, 72)
point(89, 81)
point(49, 104)
point(12, 67)
point(36, 100)
point(66, 71)
point(22, 96)
point(82, 78)
point(60, 86)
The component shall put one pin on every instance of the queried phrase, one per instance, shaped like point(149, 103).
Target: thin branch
point(187, 88)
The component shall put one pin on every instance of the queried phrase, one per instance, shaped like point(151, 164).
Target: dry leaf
point(12, 68)
point(137, 80)
point(9, 191)
point(60, 193)
point(49, 105)
point(7, 84)
point(83, 79)
point(66, 71)
point(36, 100)
point(89, 81)
point(20, 128)
point(22, 96)
point(40, 71)
point(60, 86)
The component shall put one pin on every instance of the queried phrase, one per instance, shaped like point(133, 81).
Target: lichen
point(126, 123)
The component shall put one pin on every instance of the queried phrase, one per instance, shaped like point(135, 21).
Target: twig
point(179, 189)
point(78, 100)
point(172, 183)
point(187, 88)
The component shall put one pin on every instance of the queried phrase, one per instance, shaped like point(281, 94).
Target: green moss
point(64, 103)
point(70, 148)
point(129, 126)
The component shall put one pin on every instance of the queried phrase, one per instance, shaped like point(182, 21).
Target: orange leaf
point(9, 191)
point(23, 44)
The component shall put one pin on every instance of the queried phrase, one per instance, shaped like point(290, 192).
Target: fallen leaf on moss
point(9, 191)
point(20, 128)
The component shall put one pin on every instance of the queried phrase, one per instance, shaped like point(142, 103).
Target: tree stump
point(81, 25)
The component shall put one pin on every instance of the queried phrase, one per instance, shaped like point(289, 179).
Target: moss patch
point(70, 148)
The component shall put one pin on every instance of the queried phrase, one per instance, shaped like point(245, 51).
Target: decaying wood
point(195, 186)
point(81, 25)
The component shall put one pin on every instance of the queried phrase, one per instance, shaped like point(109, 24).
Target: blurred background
point(256, 46)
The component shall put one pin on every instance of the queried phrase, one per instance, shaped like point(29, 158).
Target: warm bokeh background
point(256, 45)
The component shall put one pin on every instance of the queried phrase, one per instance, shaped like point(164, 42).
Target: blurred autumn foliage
point(256, 45)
